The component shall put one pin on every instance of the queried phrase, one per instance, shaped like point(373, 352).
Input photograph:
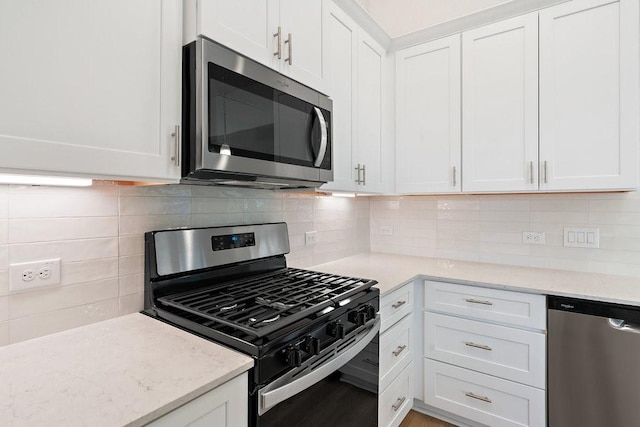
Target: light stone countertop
point(391, 271)
point(124, 371)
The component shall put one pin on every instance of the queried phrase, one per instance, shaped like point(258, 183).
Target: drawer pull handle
point(475, 396)
point(480, 346)
point(399, 350)
point(398, 404)
point(398, 304)
point(478, 301)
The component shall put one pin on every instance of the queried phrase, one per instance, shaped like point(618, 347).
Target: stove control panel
point(232, 241)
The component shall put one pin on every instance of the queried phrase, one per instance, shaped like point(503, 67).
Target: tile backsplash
point(488, 228)
point(98, 234)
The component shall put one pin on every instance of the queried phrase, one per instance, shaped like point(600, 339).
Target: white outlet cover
point(386, 230)
point(310, 237)
point(533, 238)
point(17, 283)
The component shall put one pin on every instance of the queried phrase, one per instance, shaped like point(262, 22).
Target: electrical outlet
point(28, 275)
point(310, 237)
point(386, 230)
point(533, 238)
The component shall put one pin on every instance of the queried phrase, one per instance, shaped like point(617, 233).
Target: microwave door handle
point(323, 138)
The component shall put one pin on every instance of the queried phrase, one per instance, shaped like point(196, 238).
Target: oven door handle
point(274, 393)
point(323, 138)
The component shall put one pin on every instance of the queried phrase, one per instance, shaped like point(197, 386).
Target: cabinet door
point(246, 26)
point(369, 78)
point(341, 51)
point(428, 117)
point(225, 406)
point(90, 87)
point(500, 106)
point(302, 31)
point(589, 95)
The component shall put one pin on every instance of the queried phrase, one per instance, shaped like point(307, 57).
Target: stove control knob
point(294, 357)
point(371, 312)
point(358, 317)
point(336, 330)
point(311, 345)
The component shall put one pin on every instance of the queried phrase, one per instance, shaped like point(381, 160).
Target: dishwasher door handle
point(622, 325)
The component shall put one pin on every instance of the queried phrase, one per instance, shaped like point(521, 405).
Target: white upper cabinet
point(302, 23)
point(342, 55)
point(246, 26)
point(370, 80)
point(90, 88)
point(500, 106)
point(361, 83)
point(286, 35)
point(589, 97)
point(428, 117)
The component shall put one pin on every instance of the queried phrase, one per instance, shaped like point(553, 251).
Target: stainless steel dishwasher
point(593, 364)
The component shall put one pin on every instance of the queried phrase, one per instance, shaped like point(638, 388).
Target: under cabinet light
point(45, 180)
point(342, 194)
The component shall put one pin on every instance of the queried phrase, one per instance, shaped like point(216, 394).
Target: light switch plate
point(575, 237)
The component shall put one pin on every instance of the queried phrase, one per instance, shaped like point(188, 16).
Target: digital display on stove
point(232, 241)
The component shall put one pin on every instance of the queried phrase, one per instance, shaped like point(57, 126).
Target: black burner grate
point(262, 304)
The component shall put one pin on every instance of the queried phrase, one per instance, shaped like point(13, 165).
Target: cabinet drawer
point(505, 352)
point(396, 401)
point(483, 398)
point(395, 350)
point(395, 306)
point(513, 308)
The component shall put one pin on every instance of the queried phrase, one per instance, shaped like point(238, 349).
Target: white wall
point(489, 228)
point(98, 234)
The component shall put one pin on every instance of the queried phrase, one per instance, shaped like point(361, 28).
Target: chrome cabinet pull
point(288, 42)
point(545, 171)
point(398, 404)
point(278, 36)
point(531, 172)
point(399, 350)
point(480, 346)
point(478, 301)
point(357, 168)
point(364, 175)
point(455, 173)
point(475, 396)
point(398, 304)
point(177, 149)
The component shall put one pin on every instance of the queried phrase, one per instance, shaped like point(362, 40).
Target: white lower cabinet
point(395, 389)
point(483, 398)
point(396, 400)
point(485, 354)
point(502, 351)
point(224, 406)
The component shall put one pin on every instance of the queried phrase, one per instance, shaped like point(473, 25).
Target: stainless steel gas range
point(313, 336)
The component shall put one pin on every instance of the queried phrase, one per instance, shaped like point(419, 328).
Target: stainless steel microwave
point(247, 125)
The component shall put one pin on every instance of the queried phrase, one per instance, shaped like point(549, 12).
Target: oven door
point(257, 122)
point(336, 389)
